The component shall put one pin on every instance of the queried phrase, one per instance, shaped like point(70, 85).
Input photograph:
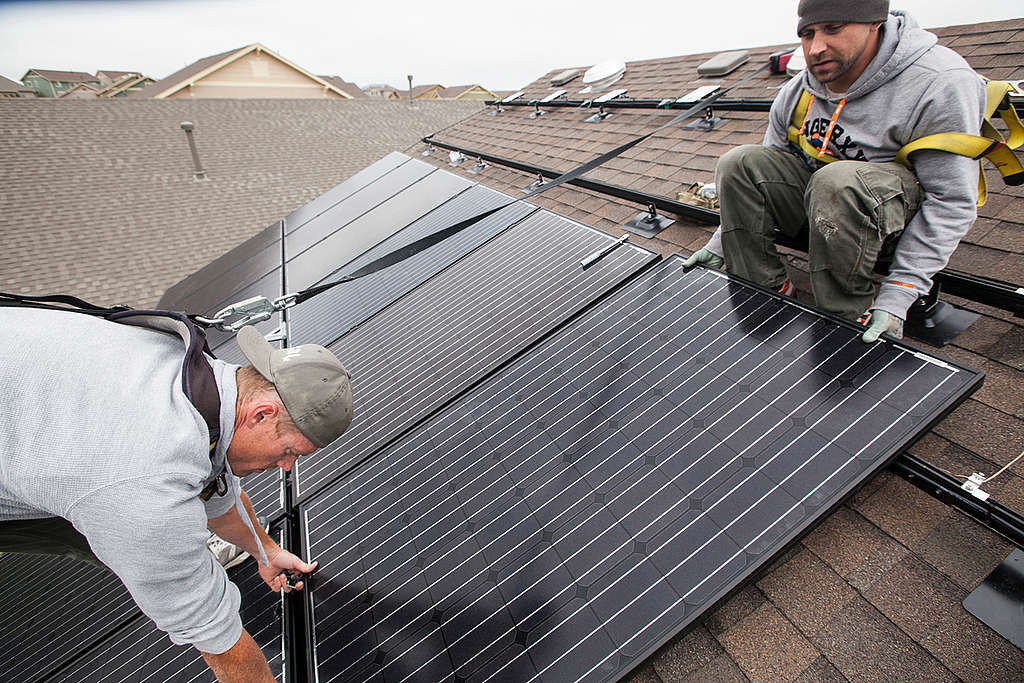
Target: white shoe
point(227, 554)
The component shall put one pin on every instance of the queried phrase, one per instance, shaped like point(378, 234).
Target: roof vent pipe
point(188, 127)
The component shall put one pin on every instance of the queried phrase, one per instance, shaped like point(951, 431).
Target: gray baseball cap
point(313, 384)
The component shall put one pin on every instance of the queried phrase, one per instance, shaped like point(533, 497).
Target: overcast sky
point(501, 45)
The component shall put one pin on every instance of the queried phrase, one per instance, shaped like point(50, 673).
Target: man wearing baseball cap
point(106, 460)
point(874, 82)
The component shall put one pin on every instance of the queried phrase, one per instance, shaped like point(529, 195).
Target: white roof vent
point(600, 76)
point(565, 77)
point(723, 64)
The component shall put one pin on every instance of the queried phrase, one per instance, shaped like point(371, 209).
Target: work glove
point(880, 321)
point(705, 256)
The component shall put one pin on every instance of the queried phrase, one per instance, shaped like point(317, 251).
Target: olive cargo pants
point(849, 208)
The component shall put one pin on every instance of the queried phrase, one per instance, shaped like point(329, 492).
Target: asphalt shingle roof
point(875, 592)
point(99, 197)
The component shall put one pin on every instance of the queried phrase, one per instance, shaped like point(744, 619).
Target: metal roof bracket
point(648, 224)
point(707, 123)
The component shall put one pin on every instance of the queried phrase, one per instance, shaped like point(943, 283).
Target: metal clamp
point(252, 311)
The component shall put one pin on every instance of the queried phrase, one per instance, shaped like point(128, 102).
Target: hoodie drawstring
point(831, 127)
point(831, 124)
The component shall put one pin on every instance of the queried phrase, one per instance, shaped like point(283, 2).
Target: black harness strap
point(197, 378)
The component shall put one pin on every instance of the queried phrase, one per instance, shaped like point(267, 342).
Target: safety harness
point(989, 144)
point(197, 378)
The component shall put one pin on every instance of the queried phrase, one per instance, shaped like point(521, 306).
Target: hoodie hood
point(903, 42)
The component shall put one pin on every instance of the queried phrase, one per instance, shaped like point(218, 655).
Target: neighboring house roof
point(65, 76)
point(116, 75)
point(7, 85)
point(875, 592)
point(126, 83)
point(456, 92)
point(60, 235)
point(349, 88)
point(430, 91)
point(196, 71)
point(81, 90)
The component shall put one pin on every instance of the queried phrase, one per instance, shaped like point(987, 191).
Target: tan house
point(126, 85)
point(82, 91)
point(250, 72)
point(427, 92)
point(107, 77)
point(468, 92)
point(383, 91)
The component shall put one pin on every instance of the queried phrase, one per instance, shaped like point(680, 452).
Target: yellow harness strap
point(988, 145)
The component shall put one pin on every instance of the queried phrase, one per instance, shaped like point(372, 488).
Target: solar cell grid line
point(330, 315)
point(366, 231)
point(51, 608)
point(140, 653)
point(461, 324)
point(725, 472)
point(359, 203)
point(343, 190)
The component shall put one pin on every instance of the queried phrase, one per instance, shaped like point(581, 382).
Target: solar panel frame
point(856, 370)
point(144, 654)
point(543, 250)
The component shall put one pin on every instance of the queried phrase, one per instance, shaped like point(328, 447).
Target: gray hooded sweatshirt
point(912, 88)
point(96, 429)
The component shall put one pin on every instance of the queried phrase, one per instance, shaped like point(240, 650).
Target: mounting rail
point(999, 294)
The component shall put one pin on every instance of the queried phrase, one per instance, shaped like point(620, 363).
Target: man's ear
point(261, 411)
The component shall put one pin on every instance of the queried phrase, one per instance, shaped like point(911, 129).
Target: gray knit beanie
point(841, 11)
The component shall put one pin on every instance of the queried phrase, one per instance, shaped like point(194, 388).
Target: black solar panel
point(328, 316)
point(303, 236)
point(343, 190)
point(53, 608)
point(140, 653)
point(349, 238)
point(571, 514)
point(459, 326)
point(208, 289)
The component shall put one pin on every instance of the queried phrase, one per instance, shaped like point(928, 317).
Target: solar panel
point(343, 190)
point(571, 514)
point(206, 290)
point(328, 316)
point(302, 237)
point(351, 238)
point(52, 608)
point(460, 325)
point(140, 653)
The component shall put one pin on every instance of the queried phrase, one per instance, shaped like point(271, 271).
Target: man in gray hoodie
point(104, 458)
point(874, 82)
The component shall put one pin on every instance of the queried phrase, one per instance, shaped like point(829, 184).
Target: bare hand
point(283, 561)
